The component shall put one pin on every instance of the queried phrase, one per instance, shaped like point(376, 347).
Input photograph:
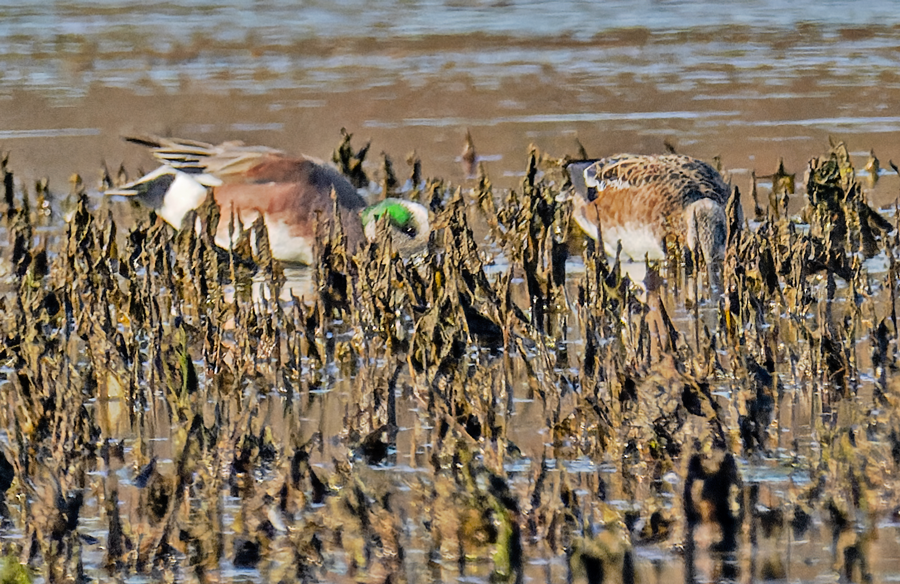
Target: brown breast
point(297, 204)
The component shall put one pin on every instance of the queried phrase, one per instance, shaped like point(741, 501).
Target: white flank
point(636, 272)
point(286, 246)
point(638, 241)
point(242, 220)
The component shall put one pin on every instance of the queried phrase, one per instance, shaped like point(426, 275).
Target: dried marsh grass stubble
point(507, 398)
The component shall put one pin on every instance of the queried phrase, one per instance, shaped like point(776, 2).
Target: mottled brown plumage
point(642, 200)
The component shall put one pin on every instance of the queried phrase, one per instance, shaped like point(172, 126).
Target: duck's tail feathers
point(195, 157)
point(707, 234)
point(707, 228)
point(185, 155)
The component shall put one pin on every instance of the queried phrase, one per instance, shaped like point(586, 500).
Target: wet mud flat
point(507, 409)
point(774, 85)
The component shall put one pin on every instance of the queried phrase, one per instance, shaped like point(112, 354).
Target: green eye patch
point(398, 215)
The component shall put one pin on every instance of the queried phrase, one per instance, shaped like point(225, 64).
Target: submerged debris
point(509, 397)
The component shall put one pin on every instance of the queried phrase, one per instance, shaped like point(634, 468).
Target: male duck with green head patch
point(291, 194)
point(405, 221)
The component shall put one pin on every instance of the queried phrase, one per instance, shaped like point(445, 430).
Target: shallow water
point(753, 83)
point(750, 83)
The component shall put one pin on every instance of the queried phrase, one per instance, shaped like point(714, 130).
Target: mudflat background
point(750, 84)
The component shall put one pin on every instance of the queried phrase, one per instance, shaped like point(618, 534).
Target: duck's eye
point(409, 231)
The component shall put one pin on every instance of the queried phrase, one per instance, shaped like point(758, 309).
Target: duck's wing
point(607, 177)
point(236, 163)
point(623, 172)
point(229, 161)
point(681, 179)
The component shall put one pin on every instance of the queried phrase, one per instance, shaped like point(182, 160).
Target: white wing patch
point(183, 195)
point(208, 180)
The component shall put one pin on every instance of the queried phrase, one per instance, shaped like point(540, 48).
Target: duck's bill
point(564, 196)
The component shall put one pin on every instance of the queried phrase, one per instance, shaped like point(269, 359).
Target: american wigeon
point(642, 200)
point(291, 193)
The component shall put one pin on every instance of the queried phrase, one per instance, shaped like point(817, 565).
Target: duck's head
point(583, 183)
point(583, 189)
point(169, 191)
point(407, 221)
